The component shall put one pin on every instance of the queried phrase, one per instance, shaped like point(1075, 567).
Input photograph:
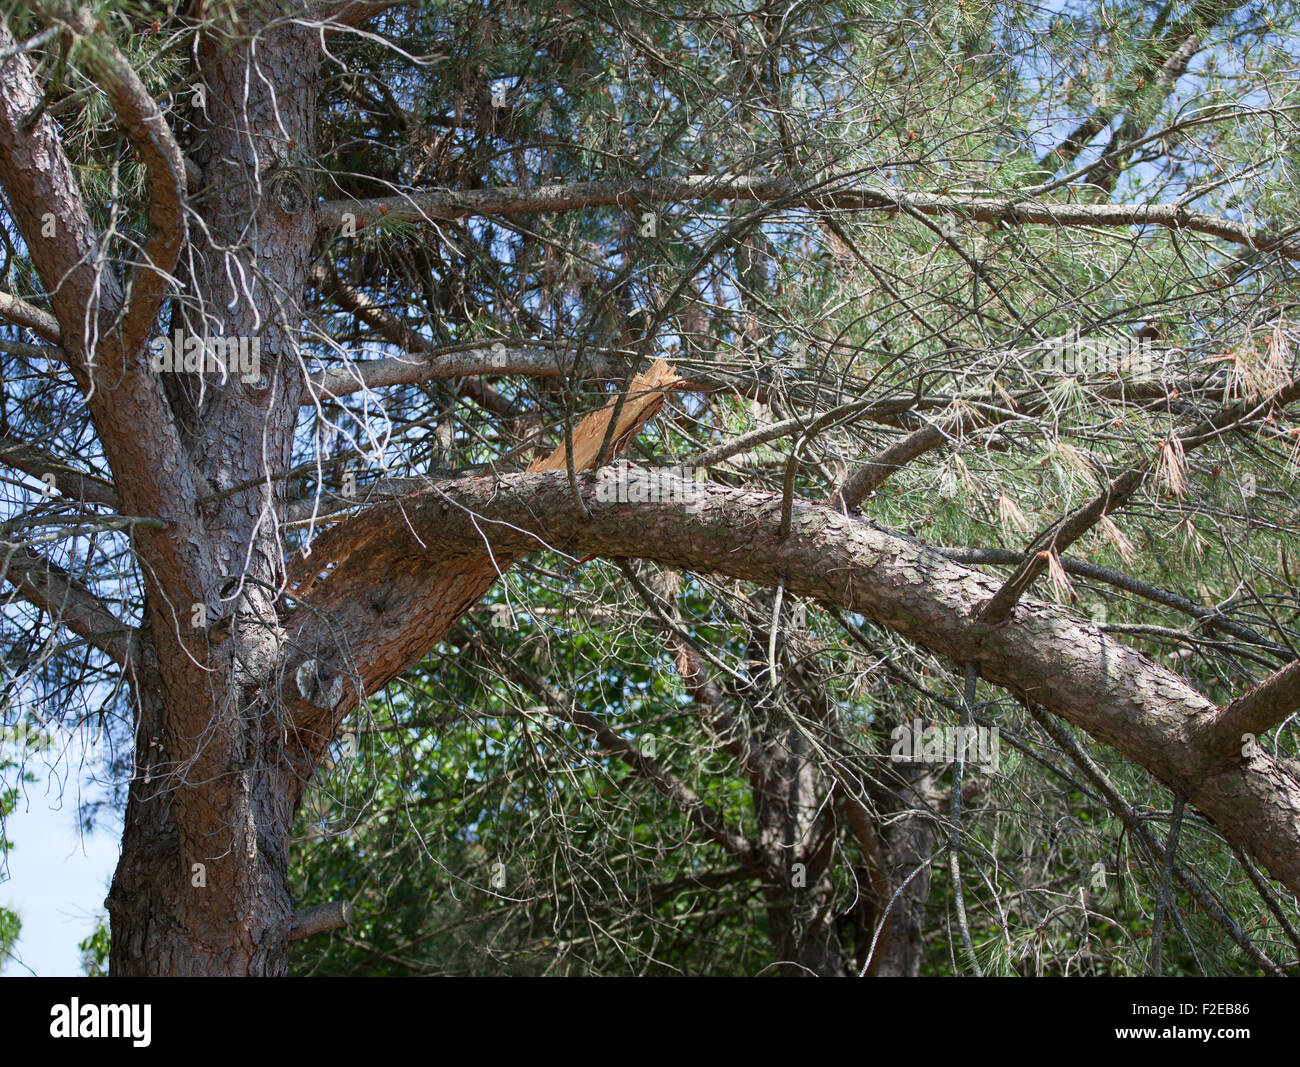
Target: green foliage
point(94, 950)
point(484, 817)
point(10, 923)
point(465, 765)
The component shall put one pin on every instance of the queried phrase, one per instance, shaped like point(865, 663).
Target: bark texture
point(202, 887)
point(238, 688)
point(1116, 694)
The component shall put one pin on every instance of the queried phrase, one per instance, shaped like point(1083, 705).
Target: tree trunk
point(797, 834)
point(796, 821)
point(909, 839)
point(803, 936)
point(202, 885)
point(218, 905)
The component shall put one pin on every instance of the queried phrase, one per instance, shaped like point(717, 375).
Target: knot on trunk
point(318, 685)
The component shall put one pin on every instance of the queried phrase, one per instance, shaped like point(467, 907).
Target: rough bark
point(202, 886)
point(230, 721)
point(213, 786)
point(1115, 693)
point(908, 831)
point(796, 822)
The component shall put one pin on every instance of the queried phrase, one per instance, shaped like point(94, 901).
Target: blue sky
point(58, 876)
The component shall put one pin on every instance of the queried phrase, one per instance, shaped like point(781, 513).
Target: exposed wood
point(320, 919)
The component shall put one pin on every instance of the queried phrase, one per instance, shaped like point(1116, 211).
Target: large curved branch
point(103, 330)
point(46, 204)
point(372, 616)
point(144, 125)
point(1102, 686)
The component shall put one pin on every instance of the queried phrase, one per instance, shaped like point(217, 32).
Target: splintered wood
point(353, 547)
point(645, 396)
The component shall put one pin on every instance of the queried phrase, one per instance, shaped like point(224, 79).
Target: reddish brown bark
point(1101, 685)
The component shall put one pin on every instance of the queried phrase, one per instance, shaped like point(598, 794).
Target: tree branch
point(1208, 617)
point(1136, 825)
point(1015, 209)
point(708, 822)
point(1113, 692)
point(43, 197)
point(103, 338)
point(440, 365)
point(1257, 710)
point(1119, 492)
point(709, 699)
point(394, 371)
point(412, 605)
point(68, 481)
point(69, 603)
point(1165, 64)
point(142, 121)
point(354, 12)
point(30, 317)
point(320, 919)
